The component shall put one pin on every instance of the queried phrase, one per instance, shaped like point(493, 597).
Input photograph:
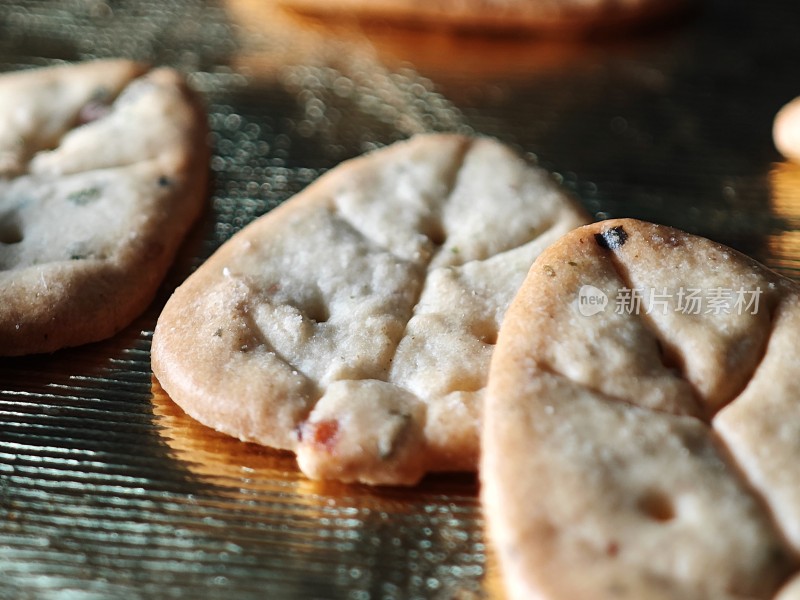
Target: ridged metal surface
point(107, 490)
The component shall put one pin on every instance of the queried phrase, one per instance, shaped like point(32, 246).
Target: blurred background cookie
point(103, 167)
point(562, 17)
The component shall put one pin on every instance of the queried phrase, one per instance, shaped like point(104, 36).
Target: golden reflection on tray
point(784, 244)
point(441, 515)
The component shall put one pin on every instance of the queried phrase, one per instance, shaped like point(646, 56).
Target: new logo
point(591, 300)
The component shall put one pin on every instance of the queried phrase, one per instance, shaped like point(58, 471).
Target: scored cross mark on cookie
point(102, 171)
point(648, 453)
point(354, 324)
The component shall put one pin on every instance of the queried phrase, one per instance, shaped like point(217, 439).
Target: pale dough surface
point(354, 324)
point(103, 168)
point(645, 453)
point(790, 591)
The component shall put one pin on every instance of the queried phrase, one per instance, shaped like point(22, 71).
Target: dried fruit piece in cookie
point(103, 168)
point(354, 324)
point(641, 421)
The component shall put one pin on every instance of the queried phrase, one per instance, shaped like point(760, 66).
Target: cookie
point(790, 591)
point(642, 423)
point(354, 324)
point(103, 167)
point(786, 130)
point(561, 16)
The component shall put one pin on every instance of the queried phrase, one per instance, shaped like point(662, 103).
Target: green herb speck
point(84, 196)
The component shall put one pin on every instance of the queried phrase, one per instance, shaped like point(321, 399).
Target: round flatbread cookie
point(354, 323)
point(562, 16)
point(103, 167)
point(642, 421)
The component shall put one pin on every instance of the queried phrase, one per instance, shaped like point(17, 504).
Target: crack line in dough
point(449, 190)
point(763, 356)
point(545, 230)
point(724, 451)
point(726, 454)
point(261, 339)
point(546, 368)
point(112, 109)
point(651, 326)
point(741, 475)
point(337, 214)
point(110, 101)
point(730, 457)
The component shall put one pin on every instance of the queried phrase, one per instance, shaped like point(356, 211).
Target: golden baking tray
point(107, 490)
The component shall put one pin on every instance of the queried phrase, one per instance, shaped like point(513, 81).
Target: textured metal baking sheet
point(107, 490)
